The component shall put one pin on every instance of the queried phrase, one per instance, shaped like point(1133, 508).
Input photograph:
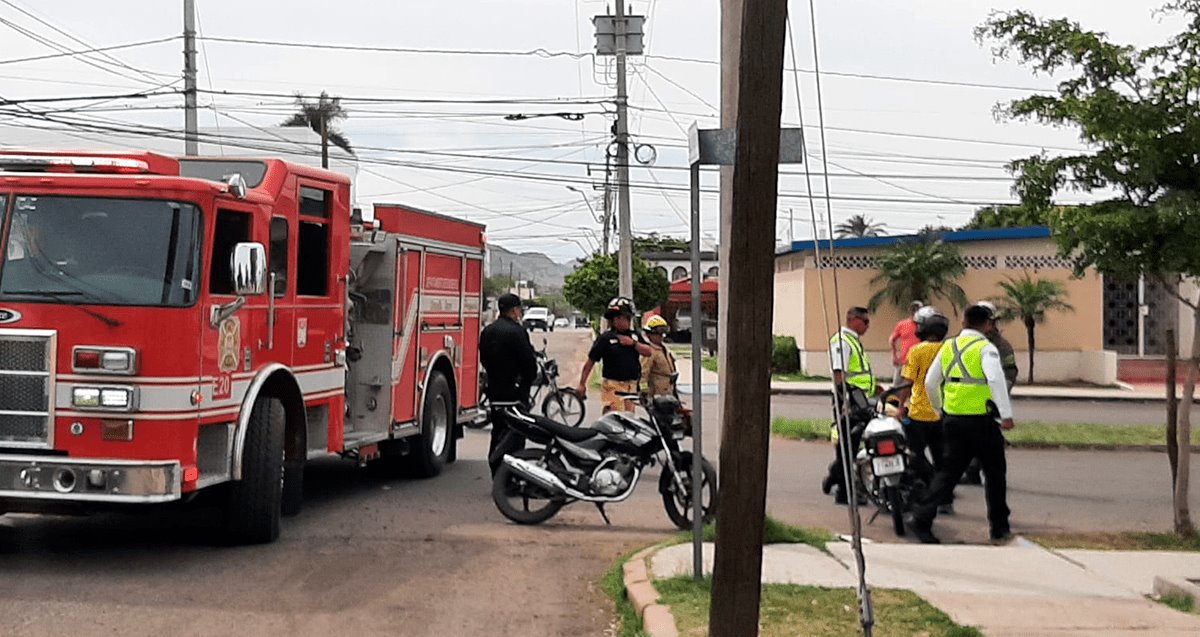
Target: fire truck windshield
point(91, 250)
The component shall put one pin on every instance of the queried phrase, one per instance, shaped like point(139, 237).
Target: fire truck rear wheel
point(255, 503)
point(434, 448)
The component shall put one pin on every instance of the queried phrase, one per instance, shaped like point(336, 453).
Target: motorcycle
point(602, 464)
point(884, 467)
point(558, 403)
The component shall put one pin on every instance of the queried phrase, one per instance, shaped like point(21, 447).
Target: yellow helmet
point(656, 324)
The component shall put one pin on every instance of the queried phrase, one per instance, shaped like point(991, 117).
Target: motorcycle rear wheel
point(679, 505)
point(895, 501)
point(514, 495)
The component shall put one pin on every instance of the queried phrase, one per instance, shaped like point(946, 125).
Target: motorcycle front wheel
point(564, 406)
point(679, 505)
point(518, 499)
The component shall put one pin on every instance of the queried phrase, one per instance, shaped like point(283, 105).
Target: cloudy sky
point(909, 97)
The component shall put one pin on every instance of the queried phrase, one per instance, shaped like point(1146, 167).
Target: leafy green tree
point(654, 242)
point(1136, 109)
point(1007, 216)
point(596, 281)
point(925, 269)
point(497, 285)
point(859, 226)
point(1028, 300)
point(326, 109)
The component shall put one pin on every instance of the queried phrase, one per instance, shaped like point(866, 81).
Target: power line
point(427, 100)
point(77, 40)
point(539, 52)
point(100, 49)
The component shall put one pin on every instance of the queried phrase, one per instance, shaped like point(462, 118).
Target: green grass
point(709, 363)
point(774, 532)
point(613, 584)
point(801, 428)
point(1118, 541)
point(799, 377)
point(1040, 434)
point(788, 610)
point(1026, 434)
point(1178, 601)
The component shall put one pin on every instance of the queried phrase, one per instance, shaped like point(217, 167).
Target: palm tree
point(919, 270)
point(858, 226)
point(1029, 300)
point(319, 116)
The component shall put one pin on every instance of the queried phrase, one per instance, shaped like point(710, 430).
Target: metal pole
point(625, 261)
point(697, 388)
point(191, 128)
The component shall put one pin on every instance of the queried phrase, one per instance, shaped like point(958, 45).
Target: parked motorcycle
point(558, 403)
point(600, 463)
point(884, 467)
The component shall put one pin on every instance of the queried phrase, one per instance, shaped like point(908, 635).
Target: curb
point(657, 619)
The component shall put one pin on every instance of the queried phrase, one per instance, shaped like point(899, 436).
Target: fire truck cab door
point(231, 350)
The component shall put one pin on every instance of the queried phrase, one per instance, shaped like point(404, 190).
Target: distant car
point(538, 318)
point(562, 322)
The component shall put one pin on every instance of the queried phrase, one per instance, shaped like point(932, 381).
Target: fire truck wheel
point(295, 455)
point(434, 447)
point(255, 503)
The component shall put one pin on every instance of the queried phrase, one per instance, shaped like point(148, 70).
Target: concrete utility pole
point(191, 128)
point(625, 260)
point(324, 140)
point(749, 286)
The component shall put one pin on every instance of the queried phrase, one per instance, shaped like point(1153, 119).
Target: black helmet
point(931, 324)
point(618, 306)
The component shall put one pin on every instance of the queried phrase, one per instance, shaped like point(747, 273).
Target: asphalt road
point(434, 558)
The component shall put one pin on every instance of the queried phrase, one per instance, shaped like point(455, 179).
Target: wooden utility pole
point(750, 288)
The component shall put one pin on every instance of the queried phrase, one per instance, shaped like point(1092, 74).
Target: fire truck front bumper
point(63, 479)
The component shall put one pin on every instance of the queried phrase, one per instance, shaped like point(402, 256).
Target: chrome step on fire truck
point(169, 326)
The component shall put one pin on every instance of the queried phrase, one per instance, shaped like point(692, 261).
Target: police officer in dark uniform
point(511, 365)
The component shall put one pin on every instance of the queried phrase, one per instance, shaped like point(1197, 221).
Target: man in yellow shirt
point(923, 423)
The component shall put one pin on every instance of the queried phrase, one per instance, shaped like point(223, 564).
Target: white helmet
point(988, 304)
point(925, 312)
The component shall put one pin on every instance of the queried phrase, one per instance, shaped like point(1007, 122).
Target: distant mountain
point(545, 273)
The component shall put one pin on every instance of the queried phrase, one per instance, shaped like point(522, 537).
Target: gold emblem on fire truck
point(229, 344)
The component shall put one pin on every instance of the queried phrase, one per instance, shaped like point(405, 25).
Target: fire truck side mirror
point(249, 269)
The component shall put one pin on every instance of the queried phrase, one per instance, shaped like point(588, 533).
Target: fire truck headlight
point(120, 398)
point(116, 398)
point(117, 361)
point(86, 397)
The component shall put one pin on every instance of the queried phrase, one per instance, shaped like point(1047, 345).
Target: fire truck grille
point(26, 388)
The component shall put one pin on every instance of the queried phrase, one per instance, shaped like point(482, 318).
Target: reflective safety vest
point(965, 390)
point(859, 372)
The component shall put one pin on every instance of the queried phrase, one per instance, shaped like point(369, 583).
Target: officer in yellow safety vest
point(975, 405)
point(852, 369)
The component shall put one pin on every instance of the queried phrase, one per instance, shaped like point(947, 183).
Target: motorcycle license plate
point(888, 465)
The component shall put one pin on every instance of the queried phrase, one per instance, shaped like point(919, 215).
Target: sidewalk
point(1021, 589)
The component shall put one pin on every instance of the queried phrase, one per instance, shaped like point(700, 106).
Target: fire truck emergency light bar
point(35, 163)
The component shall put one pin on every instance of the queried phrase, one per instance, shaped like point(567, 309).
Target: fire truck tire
point(293, 474)
point(434, 448)
point(255, 503)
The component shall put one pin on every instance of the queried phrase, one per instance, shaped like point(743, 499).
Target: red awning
point(685, 286)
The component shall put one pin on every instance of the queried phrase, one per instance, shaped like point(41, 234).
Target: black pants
point(970, 437)
point(857, 419)
point(927, 435)
point(504, 440)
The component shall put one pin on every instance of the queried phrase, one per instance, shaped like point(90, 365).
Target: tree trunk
point(1183, 516)
point(745, 442)
point(1029, 327)
point(1172, 406)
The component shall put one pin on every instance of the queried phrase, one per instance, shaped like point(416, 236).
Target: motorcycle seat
point(559, 430)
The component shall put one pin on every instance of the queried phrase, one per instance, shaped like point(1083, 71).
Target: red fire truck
point(169, 326)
